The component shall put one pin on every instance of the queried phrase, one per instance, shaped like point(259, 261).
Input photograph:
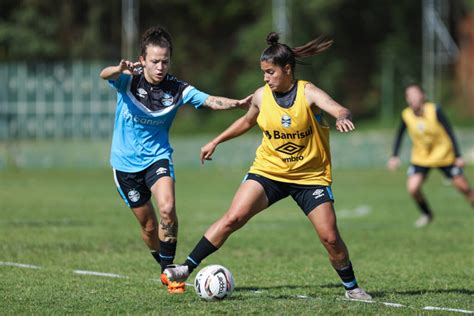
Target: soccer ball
point(214, 283)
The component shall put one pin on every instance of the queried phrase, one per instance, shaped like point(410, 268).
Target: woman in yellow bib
point(292, 160)
point(434, 146)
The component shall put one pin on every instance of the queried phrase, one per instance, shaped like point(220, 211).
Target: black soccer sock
point(167, 253)
point(203, 249)
point(424, 207)
point(348, 278)
point(156, 255)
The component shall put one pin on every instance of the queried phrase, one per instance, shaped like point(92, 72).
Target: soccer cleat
point(176, 272)
point(164, 279)
point(358, 294)
point(176, 287)
point(423, 221)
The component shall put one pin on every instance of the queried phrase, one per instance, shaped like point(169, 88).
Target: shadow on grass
point(377, 294)
point(423, 292)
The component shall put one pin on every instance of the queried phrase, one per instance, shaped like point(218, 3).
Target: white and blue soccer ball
point(214, 282)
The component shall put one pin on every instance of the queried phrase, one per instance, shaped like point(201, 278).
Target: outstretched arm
point(113, 72)
point(239, 127)
point(394, 161)
point(319, 98)
point(221, 103)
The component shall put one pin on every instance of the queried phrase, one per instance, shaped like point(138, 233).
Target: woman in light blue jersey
point(148, 98)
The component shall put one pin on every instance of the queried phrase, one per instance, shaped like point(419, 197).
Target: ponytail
point(281, 54)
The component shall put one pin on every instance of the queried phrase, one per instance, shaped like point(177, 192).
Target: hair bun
point(272, 38)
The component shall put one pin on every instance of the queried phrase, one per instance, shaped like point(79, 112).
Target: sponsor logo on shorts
point(161, 170)
point(133, 195)
point(318, 193)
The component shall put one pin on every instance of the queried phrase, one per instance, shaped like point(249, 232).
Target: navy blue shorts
point(448, 171)
point(308, 197)
point(134, 187)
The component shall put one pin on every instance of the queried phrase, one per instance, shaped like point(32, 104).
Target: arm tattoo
point(219, 103)
point(169, 230)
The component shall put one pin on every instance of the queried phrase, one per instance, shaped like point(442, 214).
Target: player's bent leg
point(324, 221)
point(146, 216)
point(248, 201)
point(164, 194)
point(414, 184)
point(462, 185)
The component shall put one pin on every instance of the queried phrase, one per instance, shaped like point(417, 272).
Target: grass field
point(66, 220)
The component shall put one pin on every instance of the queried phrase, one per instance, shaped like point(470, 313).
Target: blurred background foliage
point(217, 45)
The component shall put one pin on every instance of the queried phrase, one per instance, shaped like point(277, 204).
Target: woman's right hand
point(393, 163)
point(128, 67)
point(207, 151)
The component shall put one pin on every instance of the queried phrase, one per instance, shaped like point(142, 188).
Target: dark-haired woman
point(148, 98)
point(433, 146)
point(292, 160)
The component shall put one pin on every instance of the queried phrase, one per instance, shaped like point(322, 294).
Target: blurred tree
point(218, 43)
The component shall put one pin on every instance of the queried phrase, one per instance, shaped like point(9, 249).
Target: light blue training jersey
point(143, 117)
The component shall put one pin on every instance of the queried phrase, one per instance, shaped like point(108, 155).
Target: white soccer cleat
point(177, 272)
point(423, 221)
point(358, 294)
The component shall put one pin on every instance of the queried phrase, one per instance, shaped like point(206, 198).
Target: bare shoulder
point(312, 93)
point(257, 97)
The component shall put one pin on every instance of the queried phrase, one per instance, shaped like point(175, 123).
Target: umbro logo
point(161, 170)
point(318, 193)
point(289, 148)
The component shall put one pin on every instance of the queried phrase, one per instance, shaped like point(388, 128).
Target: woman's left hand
point(344, 125)
point(459, 162)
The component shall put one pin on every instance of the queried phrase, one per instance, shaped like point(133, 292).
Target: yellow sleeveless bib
point(295, 146)
point(432, 146)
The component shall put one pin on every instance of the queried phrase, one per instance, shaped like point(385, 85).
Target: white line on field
point(19, 265)
point(359, 211)
point(433, 308)
point(110, 275)
point(113, 275)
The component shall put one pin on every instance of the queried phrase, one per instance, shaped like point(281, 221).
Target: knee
point(330, 241)
point(232, 222)
point(150, 228)
point(167, 210)
point(414, 191)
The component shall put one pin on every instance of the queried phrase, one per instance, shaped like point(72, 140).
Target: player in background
point(148, 98)
point(293, 159)
point(434, 146)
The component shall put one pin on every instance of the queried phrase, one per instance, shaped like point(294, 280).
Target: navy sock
point(167, 253)
point(348, 278)
point(424, 208)
point(203, 249)
point(156, 255)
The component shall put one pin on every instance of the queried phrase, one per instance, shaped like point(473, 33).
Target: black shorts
point(134, 187)
point(306, 196)
point(448, 171)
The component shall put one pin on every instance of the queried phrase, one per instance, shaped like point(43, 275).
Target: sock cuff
point(168, 248)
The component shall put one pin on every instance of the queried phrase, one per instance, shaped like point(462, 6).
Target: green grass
point(66, 220)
